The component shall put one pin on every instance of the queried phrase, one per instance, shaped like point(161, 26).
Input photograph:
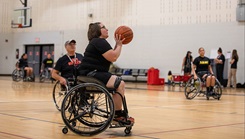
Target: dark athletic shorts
point(201, 73)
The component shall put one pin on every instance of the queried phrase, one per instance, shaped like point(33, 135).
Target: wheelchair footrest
point(115, 124)
point(122, 122)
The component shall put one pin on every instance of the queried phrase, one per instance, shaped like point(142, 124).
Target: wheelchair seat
point(89, 79)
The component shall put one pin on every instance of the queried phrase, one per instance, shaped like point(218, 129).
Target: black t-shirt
point(48, 63)
point(93, 59)
point(219, 65)
point(234, 64)
point(68, 68)
point(201, 63)
point(23, 63)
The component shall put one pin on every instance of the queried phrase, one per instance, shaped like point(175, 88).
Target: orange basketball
point(126, 33)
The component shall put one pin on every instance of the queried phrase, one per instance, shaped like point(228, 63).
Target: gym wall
point(164, 30)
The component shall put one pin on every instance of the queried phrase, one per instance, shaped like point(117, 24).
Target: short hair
point(94, 30)
point(200, 49)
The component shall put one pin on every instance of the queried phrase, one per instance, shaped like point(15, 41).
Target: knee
point(122, 84)
point(208, 78)
point(121, 87)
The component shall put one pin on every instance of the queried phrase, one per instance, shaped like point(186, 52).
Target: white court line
point(178, 106)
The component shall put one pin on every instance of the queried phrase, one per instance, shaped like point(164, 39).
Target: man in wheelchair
point(23, 64)
point(66, 66)
point(202, 68)
point(97, 59)
point(47, 66)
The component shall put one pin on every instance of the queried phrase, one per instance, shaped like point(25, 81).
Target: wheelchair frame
point(42, 76)
point(88, 108)
point(17, 75)
point(196, 87)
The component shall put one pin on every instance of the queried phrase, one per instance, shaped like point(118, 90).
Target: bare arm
point(56, 76)
point(42, 67)
point(112, 55)
point(194, 71)
point(183, 64)
point(210, 69)
point(17, 65)
point(232, 61)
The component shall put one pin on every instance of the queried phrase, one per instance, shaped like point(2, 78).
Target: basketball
point(126, 33)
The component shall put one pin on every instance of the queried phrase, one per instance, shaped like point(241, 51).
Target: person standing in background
point(220, 62)
point(233, 69)
point(186, 64)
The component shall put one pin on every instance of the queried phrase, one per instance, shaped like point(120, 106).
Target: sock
point(208, 90)
point(211, 88)
point(120, 113)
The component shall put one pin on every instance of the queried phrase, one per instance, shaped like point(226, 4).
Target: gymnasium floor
point(27, 112)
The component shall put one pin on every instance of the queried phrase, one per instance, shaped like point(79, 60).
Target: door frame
point(40, 53)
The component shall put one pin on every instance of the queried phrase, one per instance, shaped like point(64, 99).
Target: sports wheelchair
point(17, 75)
point(88, 108)
point(197, 87)
point(45, 74)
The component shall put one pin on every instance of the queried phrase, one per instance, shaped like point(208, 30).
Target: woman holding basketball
point(97, 59)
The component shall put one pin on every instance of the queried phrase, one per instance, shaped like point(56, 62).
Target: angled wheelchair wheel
point(17, 75)
point(42, 77)
point(217, 90)
point(59, 92)
point(90, 109)
point(192, 88)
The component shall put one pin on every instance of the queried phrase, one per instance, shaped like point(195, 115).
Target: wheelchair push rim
point(217, 90)
point(90, 115)
point(192, 89)
point(59, 94)
point(16, 75)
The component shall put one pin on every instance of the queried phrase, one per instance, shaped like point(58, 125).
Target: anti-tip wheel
point(65, 130)
point(127, 131)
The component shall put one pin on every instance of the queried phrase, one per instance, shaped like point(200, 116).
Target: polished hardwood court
point(27, 111)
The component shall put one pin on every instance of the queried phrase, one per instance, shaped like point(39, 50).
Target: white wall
point(164, 30)
point(6, 53)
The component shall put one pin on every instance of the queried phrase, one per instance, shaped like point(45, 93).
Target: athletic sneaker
point(125, 121)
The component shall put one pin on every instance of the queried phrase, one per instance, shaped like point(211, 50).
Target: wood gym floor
point(27, 112)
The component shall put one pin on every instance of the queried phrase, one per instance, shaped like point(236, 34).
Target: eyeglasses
point(103, 27)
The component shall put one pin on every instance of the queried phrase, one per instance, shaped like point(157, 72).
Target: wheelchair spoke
point(91, 109)
point(77, 116)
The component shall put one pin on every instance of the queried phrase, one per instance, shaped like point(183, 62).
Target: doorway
point(37, 53)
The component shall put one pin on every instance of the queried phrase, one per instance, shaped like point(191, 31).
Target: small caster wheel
point(207, 98)
point(65, 130)
point(127, 131)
